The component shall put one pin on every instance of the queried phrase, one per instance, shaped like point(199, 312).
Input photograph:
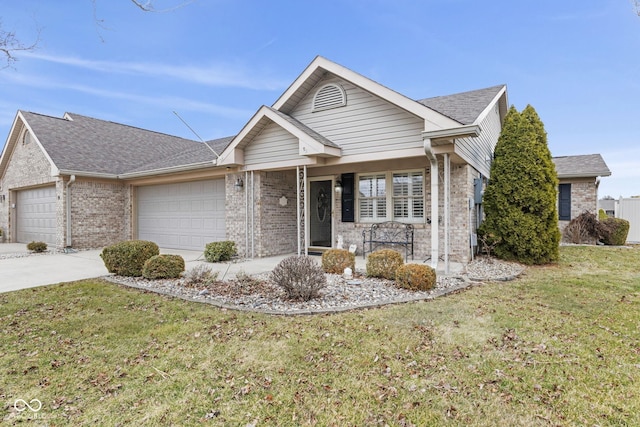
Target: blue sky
point(215, 62)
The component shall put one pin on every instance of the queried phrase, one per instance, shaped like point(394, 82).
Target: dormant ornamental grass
point(559, 346)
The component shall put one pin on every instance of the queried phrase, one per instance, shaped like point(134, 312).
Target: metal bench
point(388, 234)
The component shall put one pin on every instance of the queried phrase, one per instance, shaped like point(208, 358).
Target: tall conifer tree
point(520, 200)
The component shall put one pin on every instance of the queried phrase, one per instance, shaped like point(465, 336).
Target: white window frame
point(389, 198)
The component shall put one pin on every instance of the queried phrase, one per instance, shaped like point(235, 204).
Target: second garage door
point(184, 215)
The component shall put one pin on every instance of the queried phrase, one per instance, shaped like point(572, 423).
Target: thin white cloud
point(171, 102)
point(218, 75)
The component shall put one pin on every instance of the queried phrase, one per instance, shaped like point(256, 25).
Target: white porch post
point(447, 199)
point(298, 207)
point(301, 190)
point(433, 161)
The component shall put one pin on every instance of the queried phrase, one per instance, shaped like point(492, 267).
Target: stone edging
point(466, 283)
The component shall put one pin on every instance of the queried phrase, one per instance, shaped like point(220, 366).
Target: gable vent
point(329, 96)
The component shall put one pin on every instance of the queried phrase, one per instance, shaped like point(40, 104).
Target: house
point(579, 178)
point(336, 153)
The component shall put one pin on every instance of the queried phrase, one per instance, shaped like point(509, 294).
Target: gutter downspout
point(72, 179)
point(246, 214)
point(433, 161)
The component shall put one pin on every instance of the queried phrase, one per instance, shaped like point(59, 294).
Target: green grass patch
point(559, 346)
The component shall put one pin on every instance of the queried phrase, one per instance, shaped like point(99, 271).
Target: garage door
point(36, 215)
point(182, 216)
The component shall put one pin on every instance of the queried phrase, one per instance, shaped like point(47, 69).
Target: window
point(564, 202)
point(373, 197)
point(403, 202)
point(408, 196)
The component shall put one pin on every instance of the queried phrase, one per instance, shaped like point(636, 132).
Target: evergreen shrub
point(384, 263)
point(416, 277)
point(127, 258)
point(219, 251)
point(336, 260)
point(37, 246)
point(617, 231)
point(163, 267)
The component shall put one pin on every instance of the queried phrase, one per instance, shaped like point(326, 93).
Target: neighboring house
point(579, 178)
point(81, 182)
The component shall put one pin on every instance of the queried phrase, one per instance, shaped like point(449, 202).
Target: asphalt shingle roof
point(463, 107)
point(85, 144)
point(587, 165)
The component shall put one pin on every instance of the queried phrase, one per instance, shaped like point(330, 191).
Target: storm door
point(320, 212)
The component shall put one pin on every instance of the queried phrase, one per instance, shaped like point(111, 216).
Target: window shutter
point(564, 202)
point(348, 199)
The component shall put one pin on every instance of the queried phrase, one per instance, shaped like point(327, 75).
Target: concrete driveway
point(20, 269)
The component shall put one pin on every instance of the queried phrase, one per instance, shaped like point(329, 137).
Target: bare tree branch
point(9, 45)
point(147, 6)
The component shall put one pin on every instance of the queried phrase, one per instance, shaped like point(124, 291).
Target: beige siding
point(367, 124)
point(273, 144)
point(477, 151)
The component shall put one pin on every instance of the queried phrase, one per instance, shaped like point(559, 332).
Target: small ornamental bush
point(163, 267)
point(617, 230)
point(128, 257)
point(300, 277)
point(219, 251)
point(602, 215)
point(37, 246)
point(384, 263)
point(416, 277)
point(200, 275)
point(336, 260)
point(585, 228)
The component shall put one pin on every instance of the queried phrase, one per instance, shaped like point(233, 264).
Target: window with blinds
point(403, 202)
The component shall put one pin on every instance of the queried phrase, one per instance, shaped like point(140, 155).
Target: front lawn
point(559, 346)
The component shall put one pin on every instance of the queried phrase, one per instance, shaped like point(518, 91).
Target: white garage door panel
point(182, 216)
point(36, 215)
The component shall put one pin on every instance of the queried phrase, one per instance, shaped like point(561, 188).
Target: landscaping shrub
point(617, 230)
point(384, 263)
point(128, 257)
point(219, 251)
point(336, 260)
point(585, 228)
point(163, 267)
point(416, 277)
point(300, 277)
point(200, 275)
point(602, 215)
point(37, 246)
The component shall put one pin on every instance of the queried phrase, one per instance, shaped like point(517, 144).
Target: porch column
point(447, 201)
point(301, 188)
point(433, 161)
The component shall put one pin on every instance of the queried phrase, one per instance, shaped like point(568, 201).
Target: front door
point(320, 210)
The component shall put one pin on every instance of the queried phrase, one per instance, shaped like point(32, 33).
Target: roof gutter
point(173, 169)
point(141, 174)
point(457, 132)
point(584, 175)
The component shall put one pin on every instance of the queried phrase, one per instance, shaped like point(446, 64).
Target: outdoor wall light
point(239, 184)
point(338, 187)
point(2, 198)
